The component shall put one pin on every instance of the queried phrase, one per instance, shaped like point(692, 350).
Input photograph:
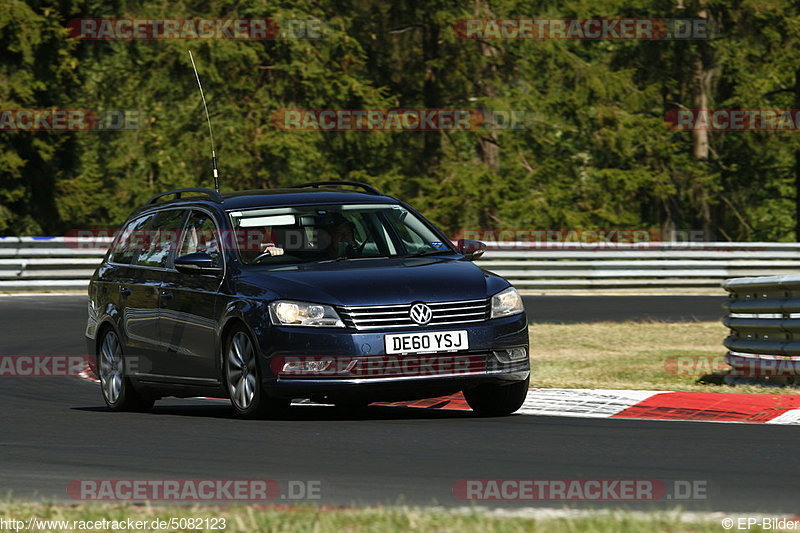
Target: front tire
point(497, 400)
point(243, 379)
point(117, 389)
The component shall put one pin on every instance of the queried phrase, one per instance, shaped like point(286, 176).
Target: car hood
point(379, 281)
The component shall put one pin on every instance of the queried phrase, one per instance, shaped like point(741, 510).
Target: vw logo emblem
point(420, 313)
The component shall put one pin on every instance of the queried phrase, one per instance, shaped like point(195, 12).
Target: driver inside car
point(271, 249)
point(342, 237)
point(335, 229)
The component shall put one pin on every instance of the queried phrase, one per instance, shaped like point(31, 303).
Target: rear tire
point(117, 389)
point(243, 379)
point(497, 400)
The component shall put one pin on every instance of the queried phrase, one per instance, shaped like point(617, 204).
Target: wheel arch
point(246, 312)
point(230, 323)
point(102, 328)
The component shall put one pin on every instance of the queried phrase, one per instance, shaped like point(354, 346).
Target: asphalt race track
point(55, 430)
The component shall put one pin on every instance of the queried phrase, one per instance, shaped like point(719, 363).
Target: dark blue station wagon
point(318, 291)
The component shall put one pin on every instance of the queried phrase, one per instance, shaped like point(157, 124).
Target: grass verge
point(632, 355)
point(249, 519)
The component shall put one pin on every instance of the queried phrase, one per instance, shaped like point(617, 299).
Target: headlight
point(289, 313)
point(507, 302)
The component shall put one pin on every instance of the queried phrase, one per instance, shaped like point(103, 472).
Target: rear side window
point(202, 236)
point(131, 240)
point(162, 238)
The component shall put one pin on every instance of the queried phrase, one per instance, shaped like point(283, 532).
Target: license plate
point(434, 341)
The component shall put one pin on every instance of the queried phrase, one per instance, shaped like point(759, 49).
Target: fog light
point(318, 366)
point(511, 354)
point(307, 366)
point(517, 353)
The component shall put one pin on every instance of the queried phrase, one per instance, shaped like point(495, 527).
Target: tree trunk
point(702, 81)
point(488, 147)
point(797, 163)
point(699, 135)
point(431, 93)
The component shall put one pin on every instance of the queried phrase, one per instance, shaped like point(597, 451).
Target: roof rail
point(213, 195)
point(318, 184)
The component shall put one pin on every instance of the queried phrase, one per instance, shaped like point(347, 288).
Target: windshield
point(306, 234)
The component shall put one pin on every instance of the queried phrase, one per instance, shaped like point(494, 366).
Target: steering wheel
point(259, 257)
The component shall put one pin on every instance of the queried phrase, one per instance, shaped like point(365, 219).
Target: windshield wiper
point(423, 253)
point(345, 258)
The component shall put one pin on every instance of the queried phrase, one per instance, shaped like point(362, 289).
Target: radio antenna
point(210, 131)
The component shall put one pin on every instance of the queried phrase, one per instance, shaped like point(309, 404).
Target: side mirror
point(196, 263)
point(470, 248)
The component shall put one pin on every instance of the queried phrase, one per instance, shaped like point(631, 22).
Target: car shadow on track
point(304, 412)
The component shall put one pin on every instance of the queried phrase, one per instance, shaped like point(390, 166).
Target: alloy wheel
point(241, 373)
point(111, 367)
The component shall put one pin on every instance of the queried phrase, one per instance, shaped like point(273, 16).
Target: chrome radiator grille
point(398, 316)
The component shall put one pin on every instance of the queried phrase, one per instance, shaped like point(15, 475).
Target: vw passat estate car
point(329, 291)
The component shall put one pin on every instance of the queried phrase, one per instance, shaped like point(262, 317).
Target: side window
point(162, 238)
point(131, 240)
point(201, 236)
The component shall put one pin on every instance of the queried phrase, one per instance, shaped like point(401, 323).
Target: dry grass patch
point(628, 355)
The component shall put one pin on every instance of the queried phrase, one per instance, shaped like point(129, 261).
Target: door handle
point(124, 291)
point(166, 295)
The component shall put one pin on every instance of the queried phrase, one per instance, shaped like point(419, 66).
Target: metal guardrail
point(65, 263)
point(47, 263)
point(764, 322)
point(648, 265)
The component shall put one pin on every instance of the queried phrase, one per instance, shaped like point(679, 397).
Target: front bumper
point(395, 388)
point(394, 379)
